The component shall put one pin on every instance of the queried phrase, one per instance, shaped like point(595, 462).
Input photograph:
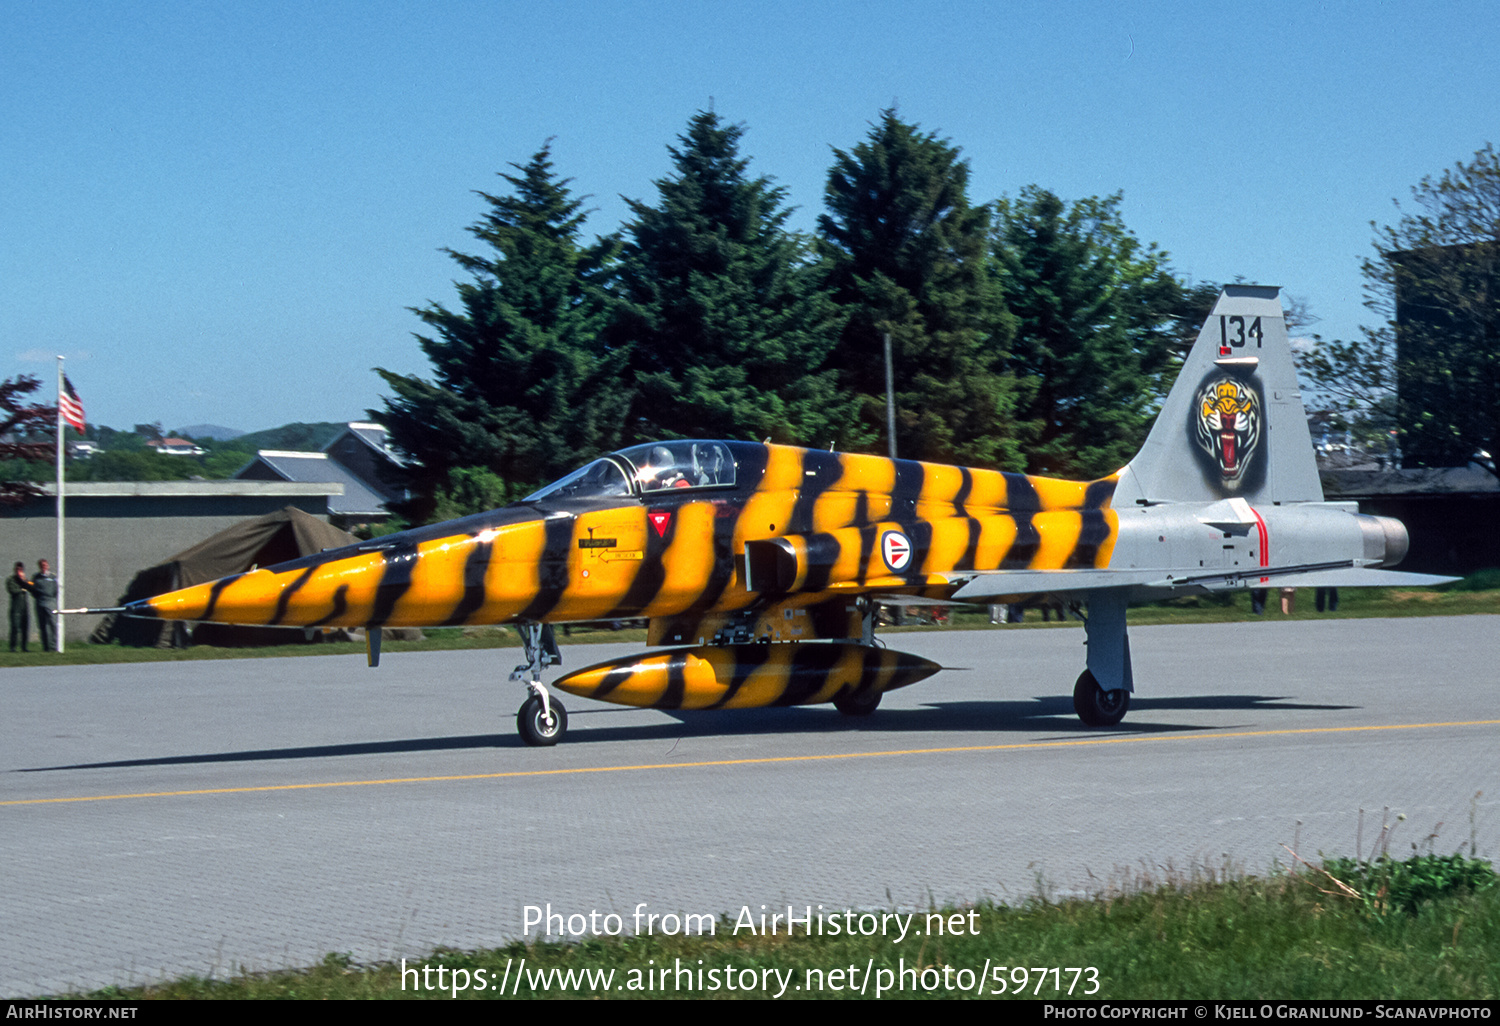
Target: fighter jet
point(759, 567)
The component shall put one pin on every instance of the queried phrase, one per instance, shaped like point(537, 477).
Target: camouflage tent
point(261, 541)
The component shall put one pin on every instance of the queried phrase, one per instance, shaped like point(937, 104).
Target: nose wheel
point(541, 724)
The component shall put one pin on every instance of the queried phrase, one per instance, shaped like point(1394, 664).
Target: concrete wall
point(115, 530)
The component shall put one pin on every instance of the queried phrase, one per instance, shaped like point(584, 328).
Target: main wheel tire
point(1097, 707)
point(535, 728)
point(858, 703)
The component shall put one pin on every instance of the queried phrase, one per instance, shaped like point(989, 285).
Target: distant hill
point(222, 434)
point(291, 437)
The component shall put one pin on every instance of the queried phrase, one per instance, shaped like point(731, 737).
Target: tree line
point(1426, 371)
point(1026, 333)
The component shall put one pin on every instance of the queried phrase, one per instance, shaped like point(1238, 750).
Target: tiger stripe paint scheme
point(748, 676)
point(570, 560)
point(760, 564)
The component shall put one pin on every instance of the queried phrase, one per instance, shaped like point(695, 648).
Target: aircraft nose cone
point(203, 601)
point(141, 608)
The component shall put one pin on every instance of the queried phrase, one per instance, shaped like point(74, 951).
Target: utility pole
point(890, 396)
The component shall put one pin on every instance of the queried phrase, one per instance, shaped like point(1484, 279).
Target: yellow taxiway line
point(1132, 739)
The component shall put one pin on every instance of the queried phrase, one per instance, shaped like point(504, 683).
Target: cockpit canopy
point(643, 469)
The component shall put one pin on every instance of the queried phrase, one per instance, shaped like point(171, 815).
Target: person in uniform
point(20, 606)
point(44, 587)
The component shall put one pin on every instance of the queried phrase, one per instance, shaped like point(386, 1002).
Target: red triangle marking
point(660, 518)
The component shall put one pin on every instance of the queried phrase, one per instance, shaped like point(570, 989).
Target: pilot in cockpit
point(661, 471)
point(708, 464)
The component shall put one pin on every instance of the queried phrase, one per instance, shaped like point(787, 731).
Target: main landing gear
point(1097, 707)
point(1102, 695)
point(858, 703)
point(854, 703)
point(541, 720)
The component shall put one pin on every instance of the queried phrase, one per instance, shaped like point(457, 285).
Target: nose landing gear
point(541, 720)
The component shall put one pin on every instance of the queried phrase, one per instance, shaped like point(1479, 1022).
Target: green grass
point(435, 640)
point(1476, 594)
point(1213, 935)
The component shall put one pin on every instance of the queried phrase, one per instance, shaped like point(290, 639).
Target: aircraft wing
point(982, 587)
point(986, 586)
point(1356, 577)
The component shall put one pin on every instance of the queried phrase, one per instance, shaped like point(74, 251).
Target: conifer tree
point(720, 306)
point(1096, 326)
point(522, 385)
point(907, 254)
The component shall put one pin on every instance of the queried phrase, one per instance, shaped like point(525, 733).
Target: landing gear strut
point(1102, 695)
point(853, 703)
point(541, 720)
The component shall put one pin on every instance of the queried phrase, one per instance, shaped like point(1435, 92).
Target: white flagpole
point(57, 622)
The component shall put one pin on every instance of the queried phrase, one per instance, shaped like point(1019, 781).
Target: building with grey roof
point(358, 459)
point(117, 528)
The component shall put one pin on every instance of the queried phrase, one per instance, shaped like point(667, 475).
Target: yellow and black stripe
point(748, 676)
point(684, 554)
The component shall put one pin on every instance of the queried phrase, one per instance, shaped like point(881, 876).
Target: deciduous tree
point(24, 425)
point(1430, 364)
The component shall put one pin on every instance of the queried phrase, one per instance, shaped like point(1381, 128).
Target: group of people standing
point(1326, 597)
point(41, 589)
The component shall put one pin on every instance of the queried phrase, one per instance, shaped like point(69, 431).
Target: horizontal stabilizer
point(1360, 577)
point(1340, 574)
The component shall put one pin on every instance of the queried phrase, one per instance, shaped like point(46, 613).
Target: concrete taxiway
point(164, 819)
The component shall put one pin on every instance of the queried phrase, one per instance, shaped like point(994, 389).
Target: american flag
point(70, 405)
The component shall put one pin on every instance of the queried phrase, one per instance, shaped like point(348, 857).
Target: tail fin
point(1233, 424)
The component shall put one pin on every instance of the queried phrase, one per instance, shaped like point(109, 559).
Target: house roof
point(1414, 481)
point(309, 467)
point(372, 435)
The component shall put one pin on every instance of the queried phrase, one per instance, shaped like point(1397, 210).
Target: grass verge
point(1329, 932)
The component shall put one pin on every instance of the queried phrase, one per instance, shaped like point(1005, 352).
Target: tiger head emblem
point(1228, 427)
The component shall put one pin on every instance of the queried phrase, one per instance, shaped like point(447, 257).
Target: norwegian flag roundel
point(896, 548)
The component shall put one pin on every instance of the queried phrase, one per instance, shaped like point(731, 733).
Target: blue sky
point(220, 212)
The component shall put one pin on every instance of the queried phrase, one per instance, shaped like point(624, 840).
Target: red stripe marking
point(1265, 541)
